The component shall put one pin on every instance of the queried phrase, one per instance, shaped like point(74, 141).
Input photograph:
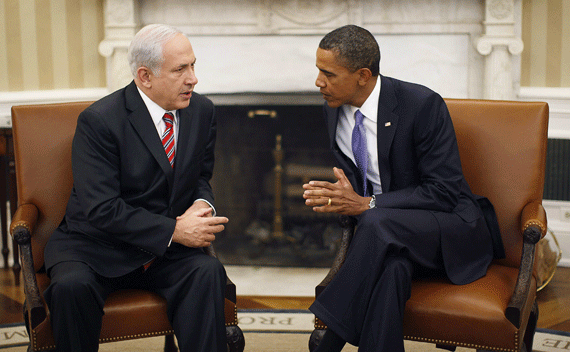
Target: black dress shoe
point(330, 342)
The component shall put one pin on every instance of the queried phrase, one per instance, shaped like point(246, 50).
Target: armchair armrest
point(533, 214)
point(533, 228)
point(21, 229)
point(26, 216)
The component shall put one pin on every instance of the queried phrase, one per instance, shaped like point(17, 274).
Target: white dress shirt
point(344, 129)
point(156, 113)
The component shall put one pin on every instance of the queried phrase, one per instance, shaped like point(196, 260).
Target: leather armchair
point(503, 153)
point(42, 147)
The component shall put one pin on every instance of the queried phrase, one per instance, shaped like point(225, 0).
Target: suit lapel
point(386, 128)
point(189, 127)
point(332, 120)
point(185, 136)
point(142, 122)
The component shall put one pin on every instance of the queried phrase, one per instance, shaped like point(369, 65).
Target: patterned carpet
point(270, 331)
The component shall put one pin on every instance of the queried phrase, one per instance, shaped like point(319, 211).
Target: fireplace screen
point(264, 154)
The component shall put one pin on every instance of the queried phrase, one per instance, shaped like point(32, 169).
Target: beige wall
point(546, 35)
point(51, 44)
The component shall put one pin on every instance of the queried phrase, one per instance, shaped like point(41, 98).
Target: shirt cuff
point(210, 204)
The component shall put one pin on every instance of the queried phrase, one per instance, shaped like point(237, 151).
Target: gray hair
point(354, 47)
point(147, 46)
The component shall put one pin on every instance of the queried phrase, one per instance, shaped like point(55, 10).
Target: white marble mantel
point(460, 48)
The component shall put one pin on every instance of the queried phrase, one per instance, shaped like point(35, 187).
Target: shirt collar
point(370, 106)
point(155, 111)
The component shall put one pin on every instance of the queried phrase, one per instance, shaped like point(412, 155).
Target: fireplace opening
point(264, 154)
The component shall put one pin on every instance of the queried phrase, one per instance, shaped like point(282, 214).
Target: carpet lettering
point(13, 335)
point(275, 321)
point(10, 335)
point(554, 343)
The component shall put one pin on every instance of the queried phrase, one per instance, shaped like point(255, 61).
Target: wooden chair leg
point(170, 344)
point(234, 336)
point(531, 328)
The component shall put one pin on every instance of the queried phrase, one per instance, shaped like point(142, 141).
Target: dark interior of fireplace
point(264, 154)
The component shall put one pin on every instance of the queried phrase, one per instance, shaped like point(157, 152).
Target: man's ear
point(364, 75)
point(144, 75)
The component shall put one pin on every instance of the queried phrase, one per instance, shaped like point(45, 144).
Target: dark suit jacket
point(125, 197)
point(420, 169)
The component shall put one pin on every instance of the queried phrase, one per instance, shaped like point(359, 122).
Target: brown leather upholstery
point(42, 146)
point(503, 152)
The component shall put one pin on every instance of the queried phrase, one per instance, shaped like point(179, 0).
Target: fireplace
point(256, 60)
point(264, 154)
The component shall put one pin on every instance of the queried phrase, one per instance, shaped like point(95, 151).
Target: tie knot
point(168, 119)
point(358, 117)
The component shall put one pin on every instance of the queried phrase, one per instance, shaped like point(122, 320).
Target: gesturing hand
point(338, 197)
point(197, 228)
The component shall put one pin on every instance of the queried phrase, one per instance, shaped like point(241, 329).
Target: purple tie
point(359, 147)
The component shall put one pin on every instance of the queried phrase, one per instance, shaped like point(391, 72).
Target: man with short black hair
point(400, 176)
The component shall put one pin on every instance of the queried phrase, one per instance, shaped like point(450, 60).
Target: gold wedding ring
point(330, 201)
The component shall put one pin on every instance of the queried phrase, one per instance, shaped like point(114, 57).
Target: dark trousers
point(364, 304)
point(193, 287)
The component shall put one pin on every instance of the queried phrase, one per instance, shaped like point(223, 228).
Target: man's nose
point(192, 79)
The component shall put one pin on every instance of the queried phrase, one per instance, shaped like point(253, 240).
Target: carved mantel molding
point(499, 44)
point(121, 24)
point(486, 60)
point(279, 17)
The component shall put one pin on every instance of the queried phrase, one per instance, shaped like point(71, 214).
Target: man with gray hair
point(141, 209)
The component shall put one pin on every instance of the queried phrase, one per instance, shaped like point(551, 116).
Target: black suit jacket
point(125, 197)
point(420, 169)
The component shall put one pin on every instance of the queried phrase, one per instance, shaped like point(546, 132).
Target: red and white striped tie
point(168, 137)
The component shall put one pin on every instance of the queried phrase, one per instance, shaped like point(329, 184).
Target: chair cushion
point(446, 314)
point(127, 315)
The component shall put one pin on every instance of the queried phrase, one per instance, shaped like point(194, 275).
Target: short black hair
point(355, 48)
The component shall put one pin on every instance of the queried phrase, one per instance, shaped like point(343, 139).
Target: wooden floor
point(553, 301)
